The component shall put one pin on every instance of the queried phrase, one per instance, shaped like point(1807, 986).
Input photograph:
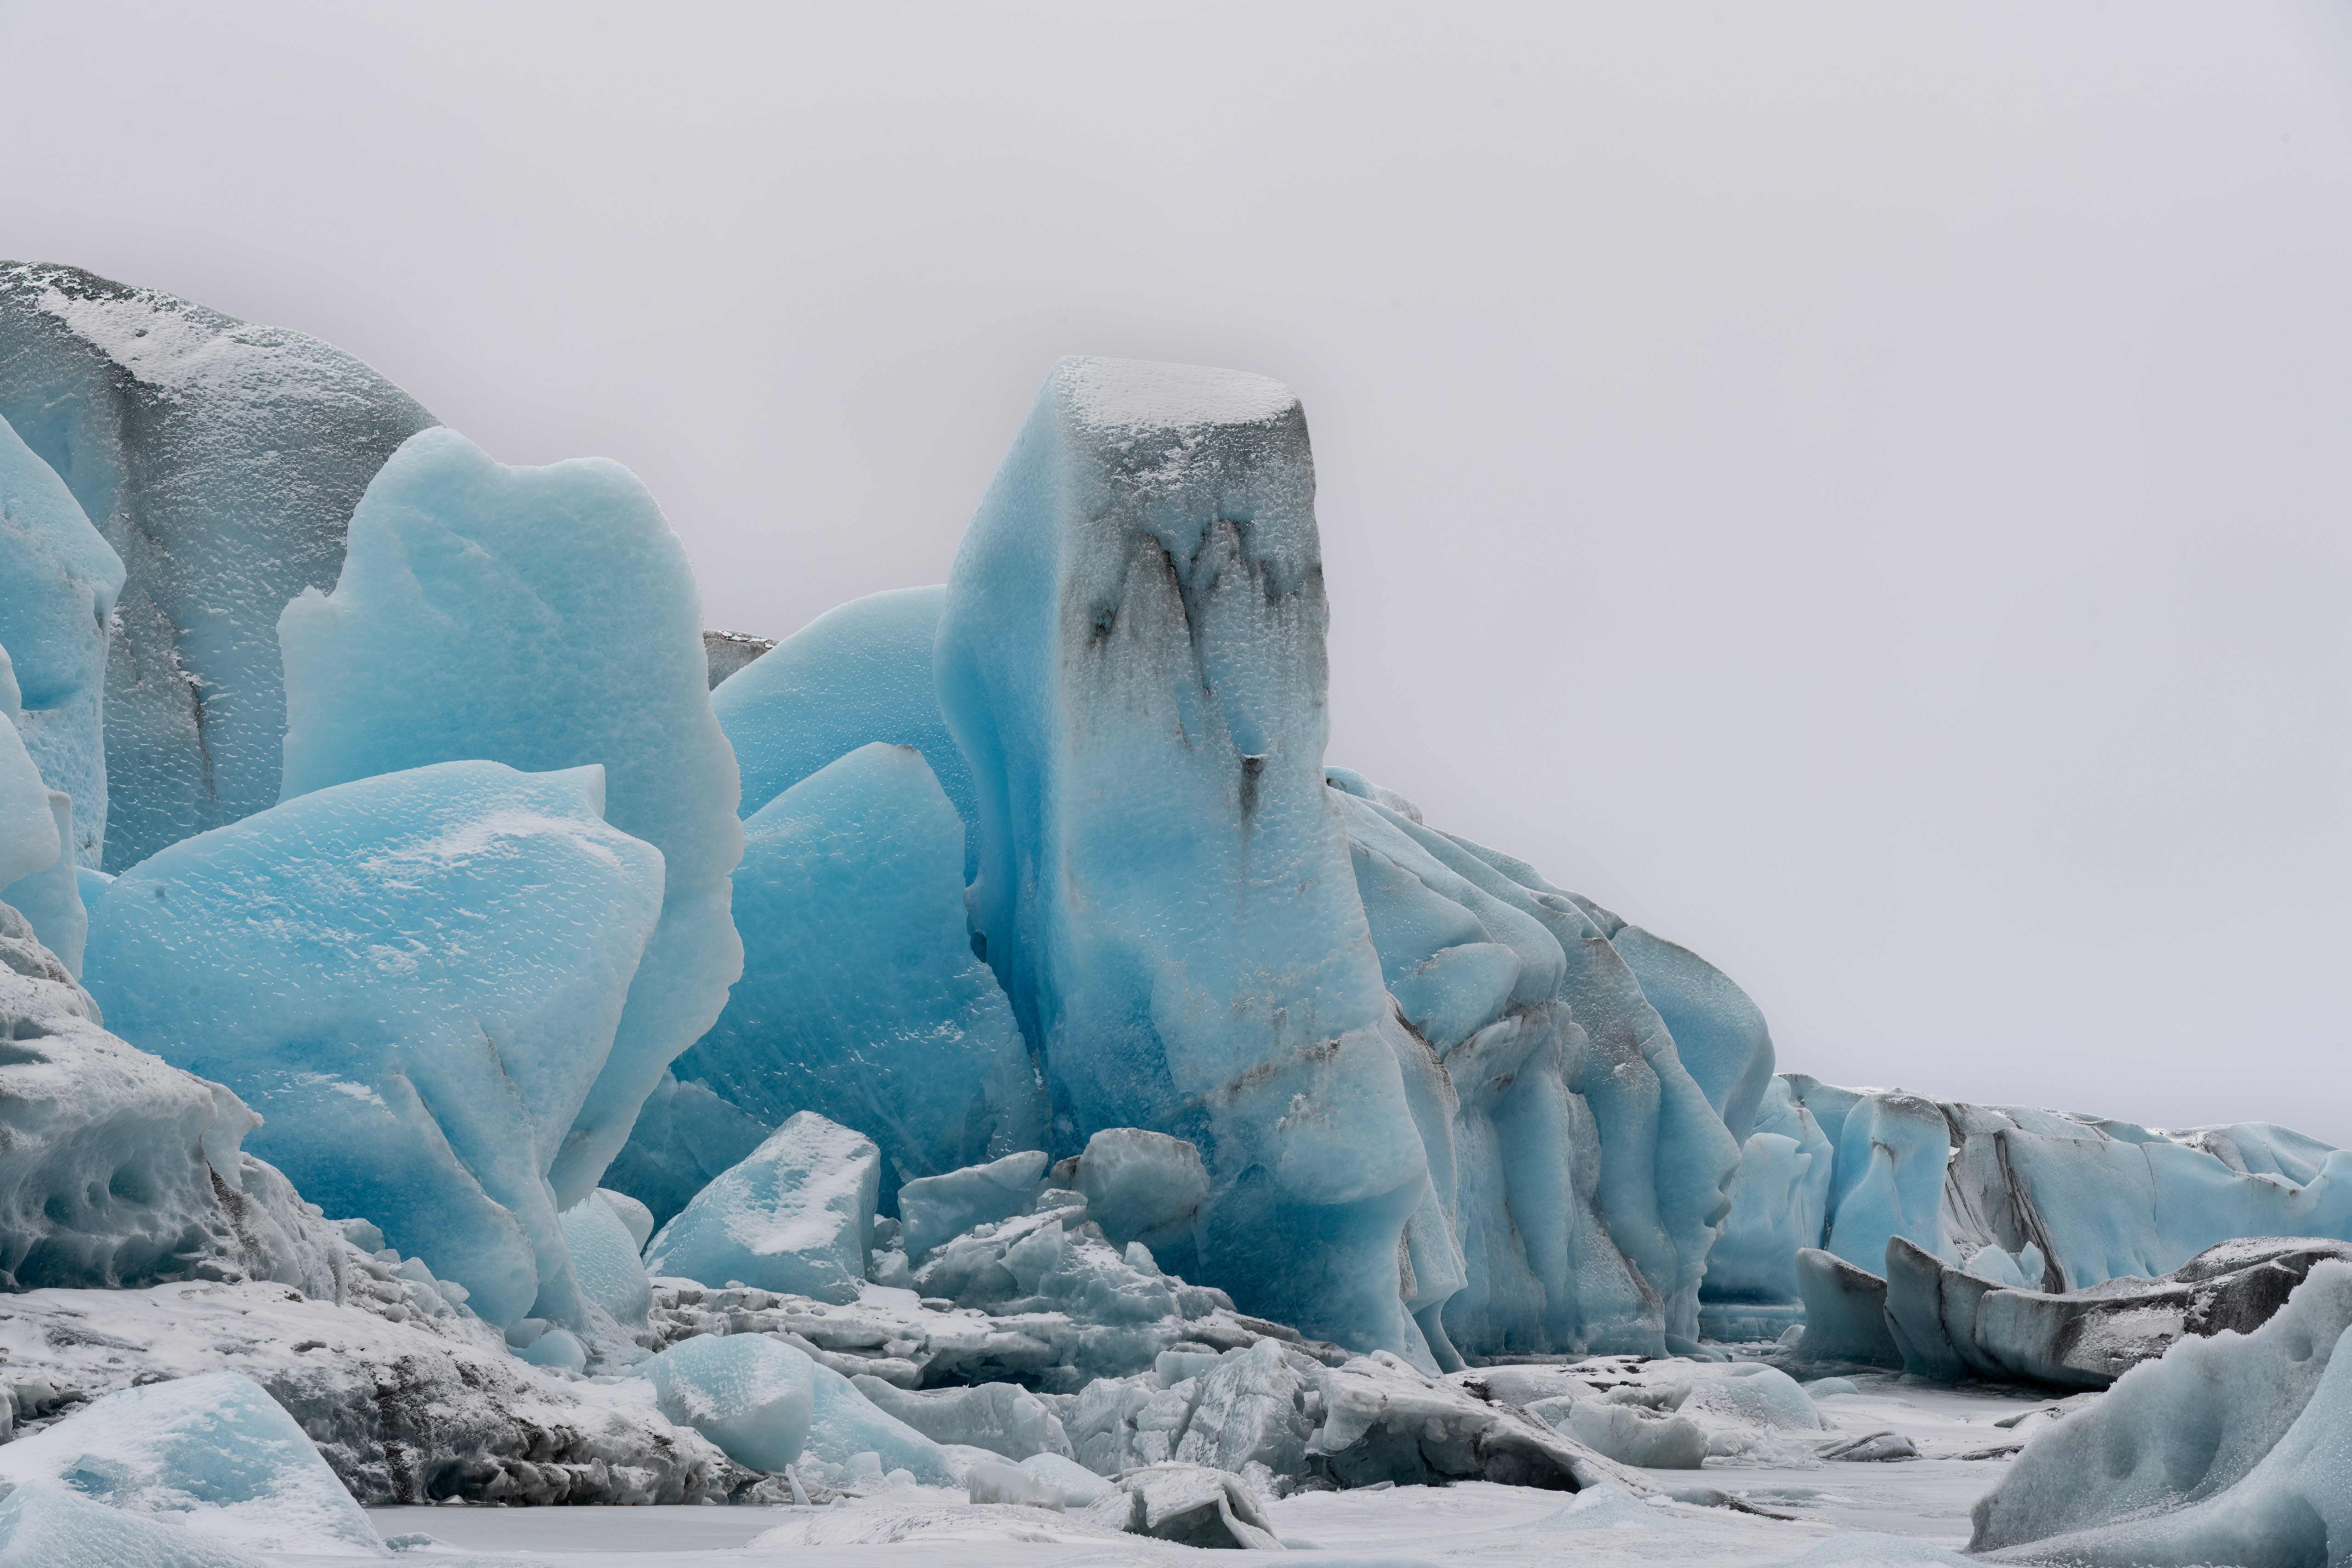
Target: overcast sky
point(1865, 490)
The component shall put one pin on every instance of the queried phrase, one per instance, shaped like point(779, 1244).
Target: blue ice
point(545, 618)
point(413, 977)
point(796, 1216)
point(861, 999)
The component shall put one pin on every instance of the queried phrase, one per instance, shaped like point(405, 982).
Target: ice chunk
point(1188, 1504)
point(685, 1137)
point(1131, 657)
point(1754, 1395)
point(605, 1257)
point(48, 1526)
point(989, 1482)
point(1845, 1312)
point(121, 1170)
point(847, 1424)
point(59, 584)
point(1627, 1433)
point(51, 897)
point(933, 1210)
point(797, 1214)
point(635, 1218)
point(1074, 1481)
point(213, 1453)
point(858, 673)
point(1001, 1417)
point(752, 1395)
point(421, 1014)
point(1250, 1410)
point(861, 999)
point(221, 461)
point(1143, 1186)
point(2229, 1449)
point(545, 618)
point(1384, 1421)
point(28, 822)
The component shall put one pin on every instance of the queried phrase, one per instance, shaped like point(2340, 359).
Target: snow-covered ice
point(796, 1216)
point(221, 461)
point(545, 618)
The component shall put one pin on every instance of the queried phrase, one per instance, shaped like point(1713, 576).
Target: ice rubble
point(421, 1014)
point(545, 618)
point(860, 997)
point(2229, 1449)
point(117, 1169)
point(221, 459)
point(796, 1216)
point(57, 598)
point(859, 673)
point(213, 1452)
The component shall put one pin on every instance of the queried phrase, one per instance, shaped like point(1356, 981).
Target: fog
point(1863, 491)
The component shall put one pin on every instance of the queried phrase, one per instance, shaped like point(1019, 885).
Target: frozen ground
point(1471, 1524)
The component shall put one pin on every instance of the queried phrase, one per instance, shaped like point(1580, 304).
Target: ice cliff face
point(1131, 657)
point(221, 461)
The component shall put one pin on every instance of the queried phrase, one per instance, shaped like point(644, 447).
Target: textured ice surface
point(2230, 1449)
point(51, 899)
point(934, 1210)
point(847, 1424)
point(545, 618)
point(746, 1393)
point(1131, 657)
point(796, 1214)
point(2012, 1195)
point(44, 1525)
point(412, 978)
point(861, 998)
point(211, 1452)
point(603, 1255)
point(858, 673)
point(1143, 1186)
point(119, 1168)
point(1845, 1312)
point(59, 584)
point(221, 461)
point(684, 1137)
point(1578, 1172)
point(29, 843)
point(1001, 1417)
point(724, 653)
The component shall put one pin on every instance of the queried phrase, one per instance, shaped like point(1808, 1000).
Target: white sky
point(1864, 490)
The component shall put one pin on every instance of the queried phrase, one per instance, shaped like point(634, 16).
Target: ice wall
point(860, 672)
point(861, 999)
point(2011, 1194)
point(1131, 657)
point(221, 461)
point(415, 979)
point(545, 618)
point(1565, 1099)
point(59, 584)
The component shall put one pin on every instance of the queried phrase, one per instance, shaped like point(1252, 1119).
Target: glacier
point(545, 618)
point(414, 979)
point(220, 460)
point(860, 998)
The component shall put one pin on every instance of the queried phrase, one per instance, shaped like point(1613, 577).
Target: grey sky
point(1863, 490)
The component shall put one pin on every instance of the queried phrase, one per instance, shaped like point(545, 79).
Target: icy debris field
point(1924, 1501)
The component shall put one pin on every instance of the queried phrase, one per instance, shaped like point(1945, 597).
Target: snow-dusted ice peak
point(545, 618)
point(1151, 397)
point(1132, 659)
point(221, 461)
